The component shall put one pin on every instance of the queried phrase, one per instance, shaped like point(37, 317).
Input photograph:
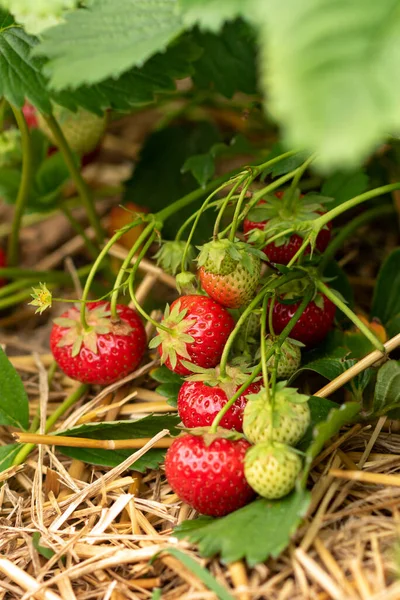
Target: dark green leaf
point(393, 326)
point(255, 532)
point(387, 388)
point(7, 455)
point(164, 153)
point(121, 430)
point(284, 166)
point(106, 39)
point(43, 550)
point(228, 63)
point(200, 573)
point(201, 166)
point(325, 430)
point(112, 458)
point(386, 300)
point(20, 73)
point(14, 404)
point(319, 409)
point(165, 375)
point(344, 185)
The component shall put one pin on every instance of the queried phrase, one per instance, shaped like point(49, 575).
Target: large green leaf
point(211, 14)
point(20, 73)
point(255, 532)
point(37, 15)
point(344, 185)
point(386, 300)
point(164, 153)
point(14, 404)
point(7, 455)
point(108, 38)
point(387, 388)
point(329, 70)
point(118, 430)
point(228, 63)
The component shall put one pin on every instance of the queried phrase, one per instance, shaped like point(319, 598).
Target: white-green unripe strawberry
point(83, 130)
point(288, 416)
point(272, 469)
point(290, 357)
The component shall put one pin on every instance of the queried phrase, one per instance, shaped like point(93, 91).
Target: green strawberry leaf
point(20, 73)
point(387, 388)
point(94, 43)
point(283, 166)
point(255, 532)
point(118, 430)
point(343, 185)
point(7, 455)
point(14, 403)
point(211, 14)
point(386, 300)
point(319, 411)
point(326, 429)
point(201, 166)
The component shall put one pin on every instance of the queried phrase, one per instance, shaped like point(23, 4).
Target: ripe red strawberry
point(229, 272)
point(313, 325)
point(283, 249)
point(198, 329)
point(208, 474)
point(202, 396)
point(104, 354)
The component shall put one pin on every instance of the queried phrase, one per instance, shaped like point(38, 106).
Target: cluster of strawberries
point(241, 432)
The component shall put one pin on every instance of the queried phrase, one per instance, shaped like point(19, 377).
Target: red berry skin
point(3, 263)
point(313, 325)
point(209, 478)
point(283, 254)
point(117, 355)
point(199, 404)
point(211, 330)
point(29, 113)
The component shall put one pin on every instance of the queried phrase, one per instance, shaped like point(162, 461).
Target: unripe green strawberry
point(83, 130)
point(272, 469)
point(289, 417)
point(290, 357)
point(229, 272)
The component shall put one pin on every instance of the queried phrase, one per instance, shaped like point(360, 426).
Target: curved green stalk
point(235, 220)
point(81, 185)
point(348, 230)
point(281, 338)
point(263, 347)
point(24, 188)
point(295, 181)
point(225, 203)
point(53, 418)
point(125, 265)
point(194, 216)
point(352, 316)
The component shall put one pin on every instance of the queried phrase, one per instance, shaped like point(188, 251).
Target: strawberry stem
point(126, 264)
point(290, 195)
point(81, 185)
point(52, 419)
point(263, 344)
point(235, 222)
point(225, 203)
point(281, 338)
point(24, 187)
point(350, 314)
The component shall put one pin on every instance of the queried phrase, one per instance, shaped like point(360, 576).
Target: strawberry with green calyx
point(272, 469)
point(229, 271)
point(273, 216)
point(206, 392)
point(104, 352)
point(289, 356)
point(207, 471)
point(195, 329)
point(186, 283)
point(283, 418)
point(169, 256)
point(316, 320)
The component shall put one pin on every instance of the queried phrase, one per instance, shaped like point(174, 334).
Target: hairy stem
point(81, 186)
point(24, 188)
point(349, 313)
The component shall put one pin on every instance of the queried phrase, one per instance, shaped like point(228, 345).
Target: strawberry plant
point(230, 174)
